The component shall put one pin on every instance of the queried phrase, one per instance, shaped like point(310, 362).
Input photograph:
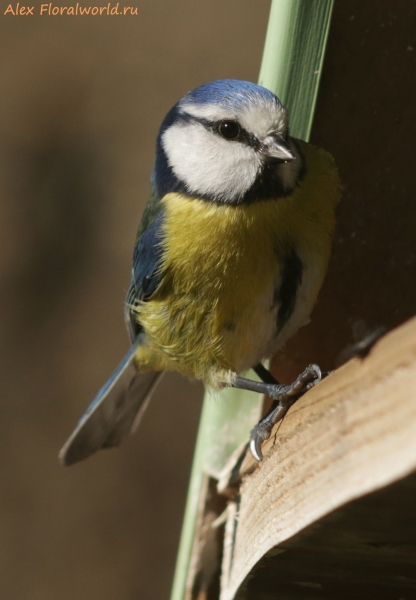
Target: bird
point(230, 255)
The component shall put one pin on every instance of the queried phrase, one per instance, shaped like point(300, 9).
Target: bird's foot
point(284, 396)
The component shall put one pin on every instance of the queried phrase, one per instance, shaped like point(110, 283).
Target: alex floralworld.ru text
point(50, 10)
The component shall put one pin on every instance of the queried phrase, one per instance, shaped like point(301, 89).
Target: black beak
point(277, 149)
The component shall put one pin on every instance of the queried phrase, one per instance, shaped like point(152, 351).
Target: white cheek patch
point(207, 163)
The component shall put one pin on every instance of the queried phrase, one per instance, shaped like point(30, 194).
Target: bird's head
point(227, 141)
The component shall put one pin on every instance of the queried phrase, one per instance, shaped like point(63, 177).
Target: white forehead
point(260, 118)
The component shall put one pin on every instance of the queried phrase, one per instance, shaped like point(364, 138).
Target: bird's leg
point(264, 374)
point(283, 397)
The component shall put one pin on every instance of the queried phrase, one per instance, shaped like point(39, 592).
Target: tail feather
point(114, 413)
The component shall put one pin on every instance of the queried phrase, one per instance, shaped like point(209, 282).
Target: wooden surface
point(352, 434)
point(363, 550)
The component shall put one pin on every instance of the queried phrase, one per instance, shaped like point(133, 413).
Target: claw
point(255, 449)
point(284, 396)
point(318, 376)
point(259, 434)
point(318, 372)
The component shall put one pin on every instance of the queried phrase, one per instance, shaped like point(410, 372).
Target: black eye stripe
point(244, 137)
point(251, 140)
point(228, 129)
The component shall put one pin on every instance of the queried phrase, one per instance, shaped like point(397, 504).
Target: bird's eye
point(229, 129)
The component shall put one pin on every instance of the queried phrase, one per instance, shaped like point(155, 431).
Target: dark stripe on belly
point(286, 294)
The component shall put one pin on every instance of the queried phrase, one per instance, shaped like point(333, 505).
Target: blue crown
point(232, 93)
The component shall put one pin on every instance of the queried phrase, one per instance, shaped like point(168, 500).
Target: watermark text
point(51, 10)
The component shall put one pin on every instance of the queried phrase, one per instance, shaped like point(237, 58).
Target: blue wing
point(121, 402)
point(146, 274)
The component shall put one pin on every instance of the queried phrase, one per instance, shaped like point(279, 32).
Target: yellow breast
point(215, 309)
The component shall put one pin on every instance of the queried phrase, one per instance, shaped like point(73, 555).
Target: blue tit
point(230, 255)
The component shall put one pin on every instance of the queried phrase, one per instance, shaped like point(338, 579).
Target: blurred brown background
point(81, 102)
